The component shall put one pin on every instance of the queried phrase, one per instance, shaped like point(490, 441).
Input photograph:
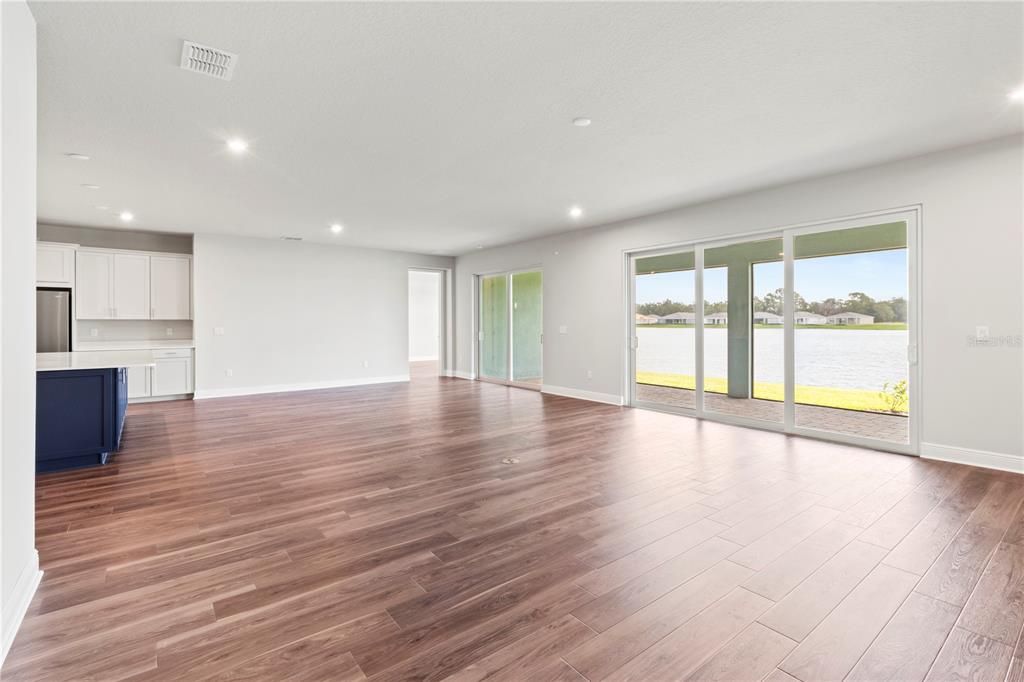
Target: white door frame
point(911, 215)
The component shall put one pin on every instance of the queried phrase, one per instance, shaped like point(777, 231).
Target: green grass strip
point(842, 398)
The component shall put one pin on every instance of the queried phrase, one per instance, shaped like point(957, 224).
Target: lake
point(841, 358)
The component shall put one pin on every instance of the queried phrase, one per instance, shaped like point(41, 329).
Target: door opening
point(426, 323)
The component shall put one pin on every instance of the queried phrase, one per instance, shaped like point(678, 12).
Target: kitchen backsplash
point(133, 330)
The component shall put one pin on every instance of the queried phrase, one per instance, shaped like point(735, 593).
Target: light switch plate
point(218, 331)
point(981, 332)
point(563, 329)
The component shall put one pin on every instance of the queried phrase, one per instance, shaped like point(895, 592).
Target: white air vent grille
point(291, 239)
point(208, 61)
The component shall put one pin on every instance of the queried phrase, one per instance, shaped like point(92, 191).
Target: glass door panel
point(851, 335)
point(527, 327)
point(664, 330)
point(743, 331)
point(494, 327)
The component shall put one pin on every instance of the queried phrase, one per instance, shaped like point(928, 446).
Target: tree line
point(888, 310)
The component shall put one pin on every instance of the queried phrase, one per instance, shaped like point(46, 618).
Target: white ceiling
point(440, 127)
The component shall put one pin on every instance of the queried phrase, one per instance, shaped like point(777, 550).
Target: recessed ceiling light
point(336, 228)
point(103, 208)
point(237, 145)
point(1017, 95)
point(479, 246)
point(581, 122)
point(77, 157)
point(126, 216)
point(575, 212)
point(91, 186)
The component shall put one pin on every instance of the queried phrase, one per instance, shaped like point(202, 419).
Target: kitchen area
point(113, 327)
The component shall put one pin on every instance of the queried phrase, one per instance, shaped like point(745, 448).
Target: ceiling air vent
point(288, 238)
point(208, 61)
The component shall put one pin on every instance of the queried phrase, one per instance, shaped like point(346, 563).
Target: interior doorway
point(426, 323)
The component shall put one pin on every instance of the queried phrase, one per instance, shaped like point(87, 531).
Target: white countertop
point(49, 362)
point(135, 345)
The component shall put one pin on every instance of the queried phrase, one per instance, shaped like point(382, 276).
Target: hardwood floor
point(375, 532)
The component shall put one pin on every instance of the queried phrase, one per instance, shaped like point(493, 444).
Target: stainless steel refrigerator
point(53, 320)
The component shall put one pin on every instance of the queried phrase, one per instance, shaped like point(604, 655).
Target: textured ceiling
point(440, 127)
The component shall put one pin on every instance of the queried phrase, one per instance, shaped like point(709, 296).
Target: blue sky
point(880, 274)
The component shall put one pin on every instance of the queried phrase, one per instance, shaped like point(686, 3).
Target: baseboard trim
point(288, 388)
point(593, 396)
point(977, 458)
point(159, 398)
point(16, 607)
point(464, 375)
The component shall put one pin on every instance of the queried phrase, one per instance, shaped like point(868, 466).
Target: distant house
point(716, 318)
point(647, 319)
point(678, 318)
point(767, 318)
point(851, 318)
point(806, 317)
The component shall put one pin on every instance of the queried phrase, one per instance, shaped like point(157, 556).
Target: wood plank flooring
point(374, 533)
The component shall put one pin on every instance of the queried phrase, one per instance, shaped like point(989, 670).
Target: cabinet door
point(170, 287)
point(138, 382)
point(172, 376)
point(54, 264)
point(131, 286)
point(94, 285)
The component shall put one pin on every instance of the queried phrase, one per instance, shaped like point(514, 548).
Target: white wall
point(299, 315)
point(972, 224)
point(424, 314)
point(19, 563)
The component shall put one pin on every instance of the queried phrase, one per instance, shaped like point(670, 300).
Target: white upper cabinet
point(55, 264)
point(170, 287)
point(94, 285)
point(131, 286)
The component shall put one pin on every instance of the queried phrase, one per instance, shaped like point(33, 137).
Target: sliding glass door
point(664, 331)
point(851, 338)
point(810, 330)
point(511, 328)
point(743, 358)
point(494, 327)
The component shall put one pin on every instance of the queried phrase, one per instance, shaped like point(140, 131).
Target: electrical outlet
point(169, 331)
point(563, 329)
point(229, 372)
point(218, 331)
point(590, 374)
point(94, 332)
point(981, 332)
point(366, 363)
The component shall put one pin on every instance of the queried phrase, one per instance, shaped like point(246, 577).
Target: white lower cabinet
point(138, 382)
point(173, 373)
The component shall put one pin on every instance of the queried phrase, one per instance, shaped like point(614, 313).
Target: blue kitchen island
point(81, 399)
